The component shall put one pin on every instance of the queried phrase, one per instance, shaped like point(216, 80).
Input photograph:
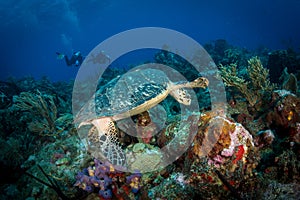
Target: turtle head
point(200, 82)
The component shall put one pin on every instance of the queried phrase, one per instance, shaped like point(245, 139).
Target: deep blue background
point(33, 30)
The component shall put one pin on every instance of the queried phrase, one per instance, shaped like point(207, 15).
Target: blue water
point(31, 31)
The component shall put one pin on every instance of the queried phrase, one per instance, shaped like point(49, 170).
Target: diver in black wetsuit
point(76, 58)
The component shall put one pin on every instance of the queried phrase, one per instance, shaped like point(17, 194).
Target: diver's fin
point(60, 56)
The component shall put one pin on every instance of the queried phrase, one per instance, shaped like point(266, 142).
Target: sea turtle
point(125, 96)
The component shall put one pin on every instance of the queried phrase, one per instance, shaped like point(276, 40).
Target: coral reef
point(249, 151)
point(61, 160)
point(28, 101)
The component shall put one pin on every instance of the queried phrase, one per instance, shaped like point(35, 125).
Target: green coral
point(259, 76)
point(253, 87)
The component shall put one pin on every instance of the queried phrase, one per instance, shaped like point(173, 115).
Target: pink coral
point(239, 137)
point(239, 154)
point(238, 140)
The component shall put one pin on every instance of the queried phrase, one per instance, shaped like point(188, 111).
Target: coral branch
point(254, 89)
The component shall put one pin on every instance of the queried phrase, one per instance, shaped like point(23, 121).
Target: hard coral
point(145, 159)
point(224, 146)
point(222, 135)
point(254, 90)
point(285, 116)
point(228, 145)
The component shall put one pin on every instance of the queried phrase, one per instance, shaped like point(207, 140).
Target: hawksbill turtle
point(125, 96)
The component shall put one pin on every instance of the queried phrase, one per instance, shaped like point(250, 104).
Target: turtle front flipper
point(181, 95)
point(105, 141)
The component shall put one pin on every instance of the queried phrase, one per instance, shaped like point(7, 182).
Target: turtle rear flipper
point(107, 139)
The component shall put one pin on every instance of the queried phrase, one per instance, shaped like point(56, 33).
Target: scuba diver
point(76, 58)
